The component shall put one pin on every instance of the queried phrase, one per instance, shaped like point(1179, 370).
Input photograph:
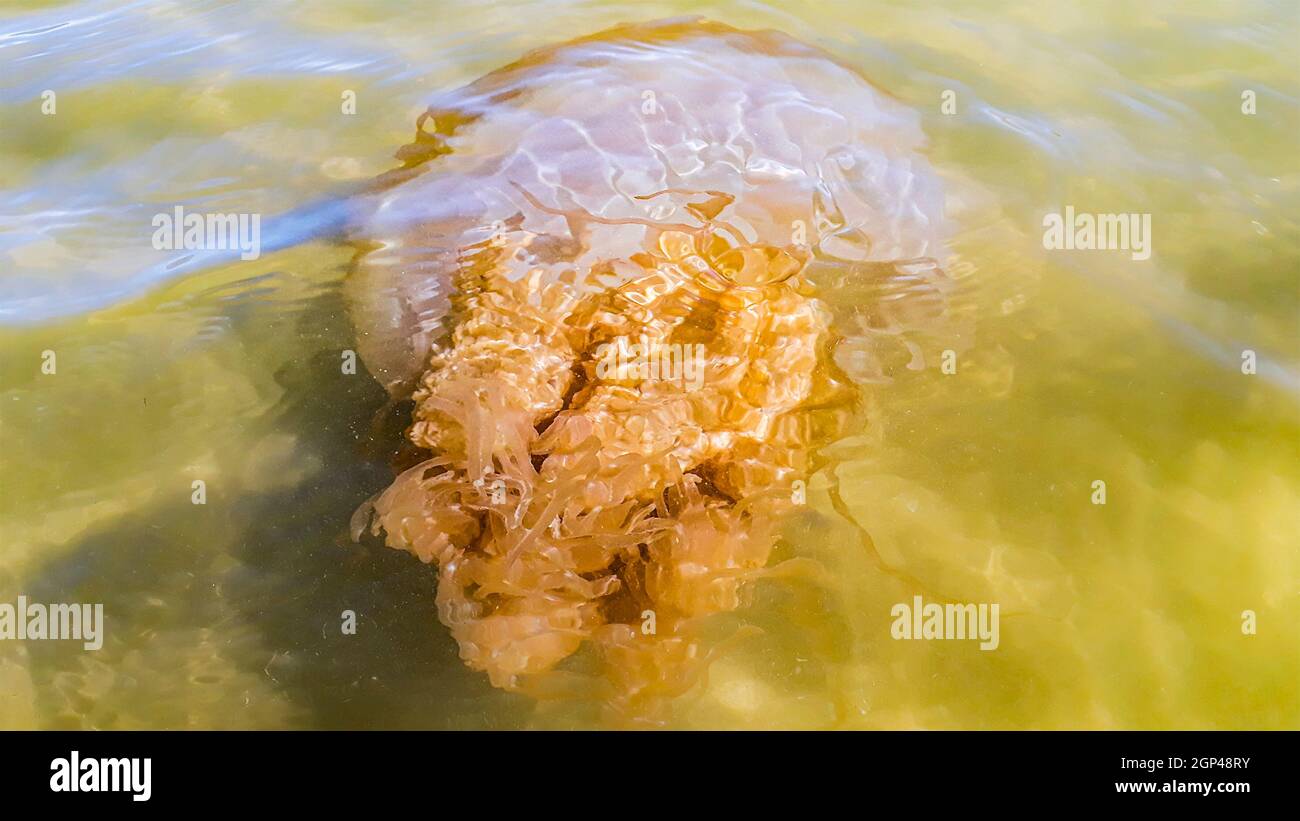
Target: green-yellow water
point(976, 486)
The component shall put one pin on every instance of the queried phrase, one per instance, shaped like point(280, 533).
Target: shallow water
point(975, 486)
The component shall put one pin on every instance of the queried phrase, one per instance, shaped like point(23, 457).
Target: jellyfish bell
point(559, 159)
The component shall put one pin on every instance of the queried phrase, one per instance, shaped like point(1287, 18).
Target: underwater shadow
point(242, 607)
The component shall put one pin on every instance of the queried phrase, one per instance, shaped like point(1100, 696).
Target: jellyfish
point(596, 274)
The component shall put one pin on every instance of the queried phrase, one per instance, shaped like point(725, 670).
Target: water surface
point(975, 486)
